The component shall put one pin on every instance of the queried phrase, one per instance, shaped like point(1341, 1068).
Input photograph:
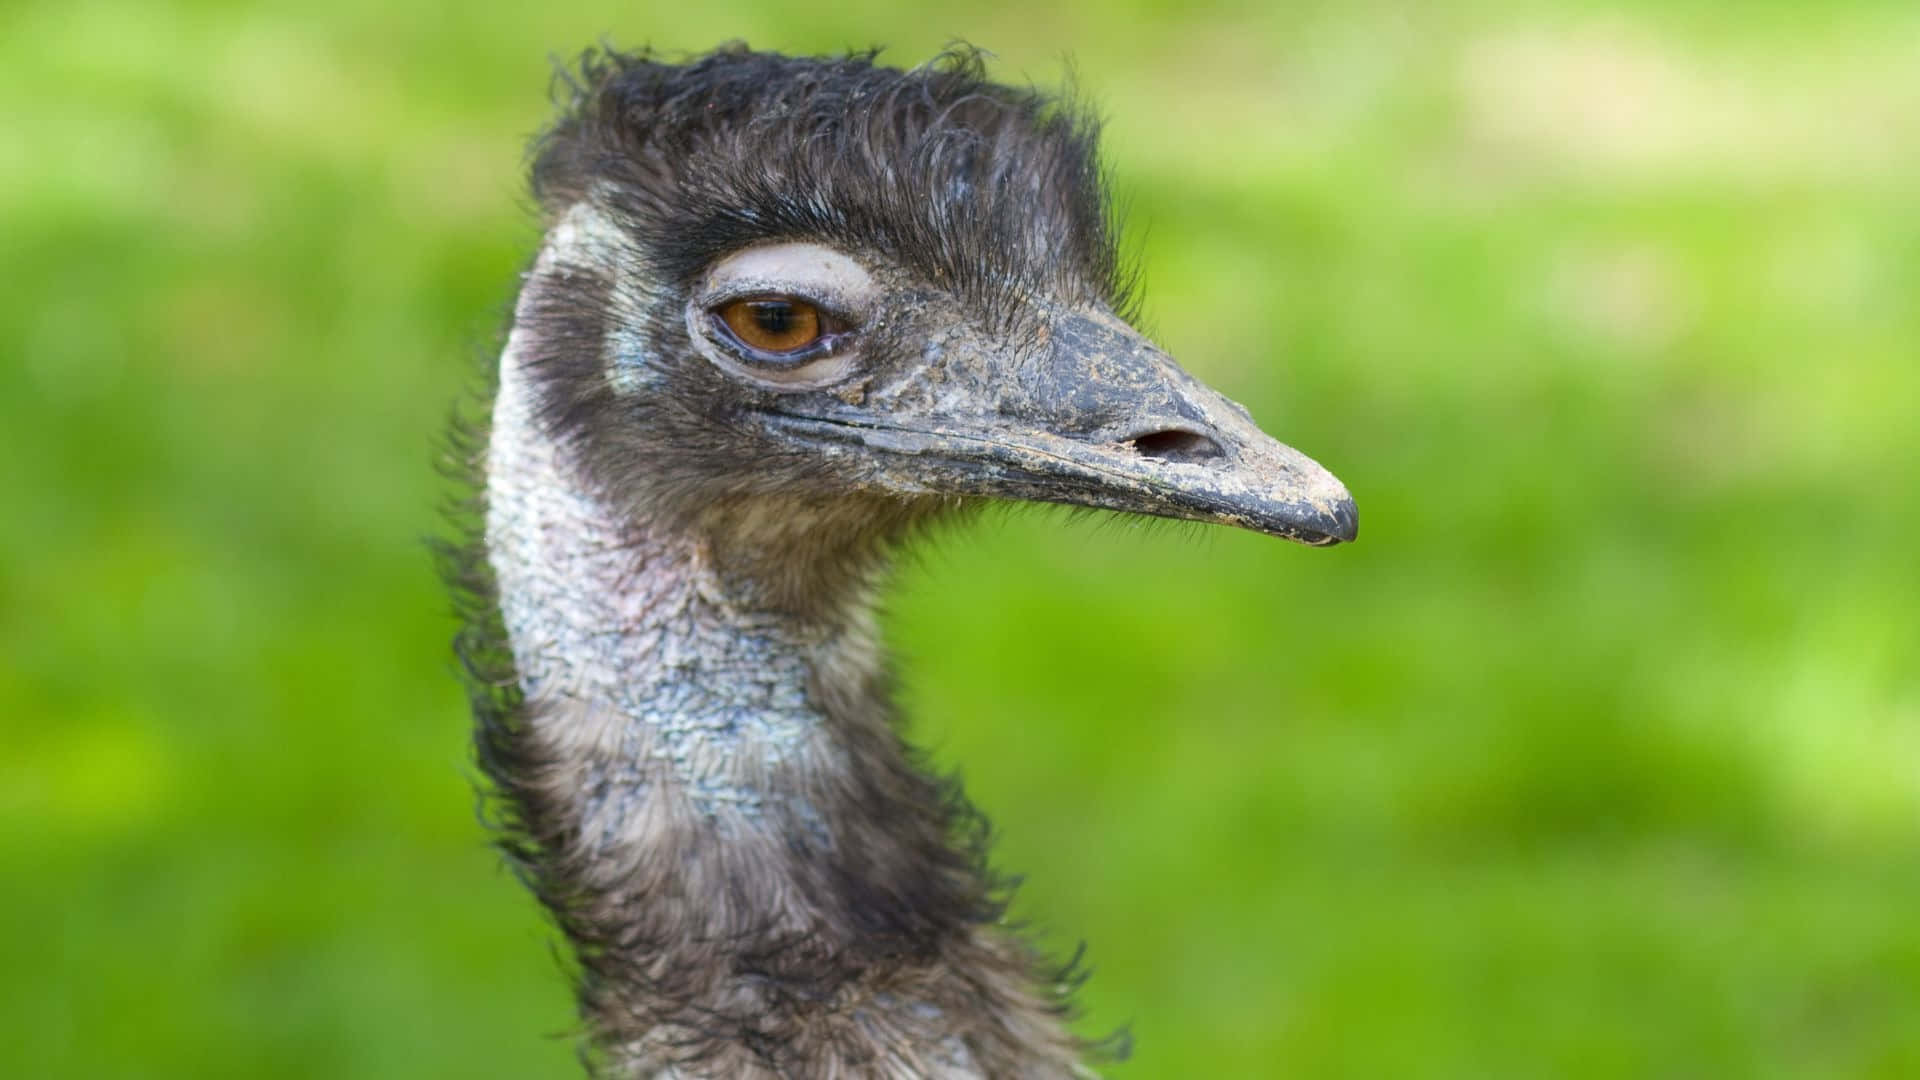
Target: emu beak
point(1099, 417)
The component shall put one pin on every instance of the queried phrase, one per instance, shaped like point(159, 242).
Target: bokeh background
point(1599, 755)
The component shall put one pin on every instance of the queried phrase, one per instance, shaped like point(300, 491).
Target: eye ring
point(777, 330)
point(838, 288)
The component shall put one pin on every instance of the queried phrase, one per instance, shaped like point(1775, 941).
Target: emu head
point(799, 305)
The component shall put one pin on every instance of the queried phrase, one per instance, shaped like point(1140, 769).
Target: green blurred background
point(1599, 755)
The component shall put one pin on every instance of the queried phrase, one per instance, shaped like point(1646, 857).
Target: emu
point(789, 312)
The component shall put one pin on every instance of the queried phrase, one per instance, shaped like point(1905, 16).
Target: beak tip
point(1334, 522)
point(1343, 522)
point(1327, 514)
point(1305, 502)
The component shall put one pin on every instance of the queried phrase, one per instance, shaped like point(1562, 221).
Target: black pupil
point(774, 316)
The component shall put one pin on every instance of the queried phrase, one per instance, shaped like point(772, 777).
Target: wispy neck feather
point(757, 879)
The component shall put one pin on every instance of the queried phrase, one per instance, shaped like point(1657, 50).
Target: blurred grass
point(1598, 756)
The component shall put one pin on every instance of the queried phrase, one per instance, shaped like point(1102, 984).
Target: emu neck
point(756, 879)
point(688, 702)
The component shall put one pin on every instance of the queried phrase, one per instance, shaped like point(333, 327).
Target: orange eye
point(774, 324)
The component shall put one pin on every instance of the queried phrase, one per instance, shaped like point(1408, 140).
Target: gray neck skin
point(691, 707)
point(757, 880)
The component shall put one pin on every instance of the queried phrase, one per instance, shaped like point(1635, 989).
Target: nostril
point(1184, 447)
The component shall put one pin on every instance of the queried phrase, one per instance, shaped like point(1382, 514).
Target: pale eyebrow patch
point(814, 271)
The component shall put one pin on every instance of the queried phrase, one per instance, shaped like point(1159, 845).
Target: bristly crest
point(991, 192)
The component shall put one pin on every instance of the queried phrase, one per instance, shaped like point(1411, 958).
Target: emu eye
point(775, 324)
point(783, 317)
